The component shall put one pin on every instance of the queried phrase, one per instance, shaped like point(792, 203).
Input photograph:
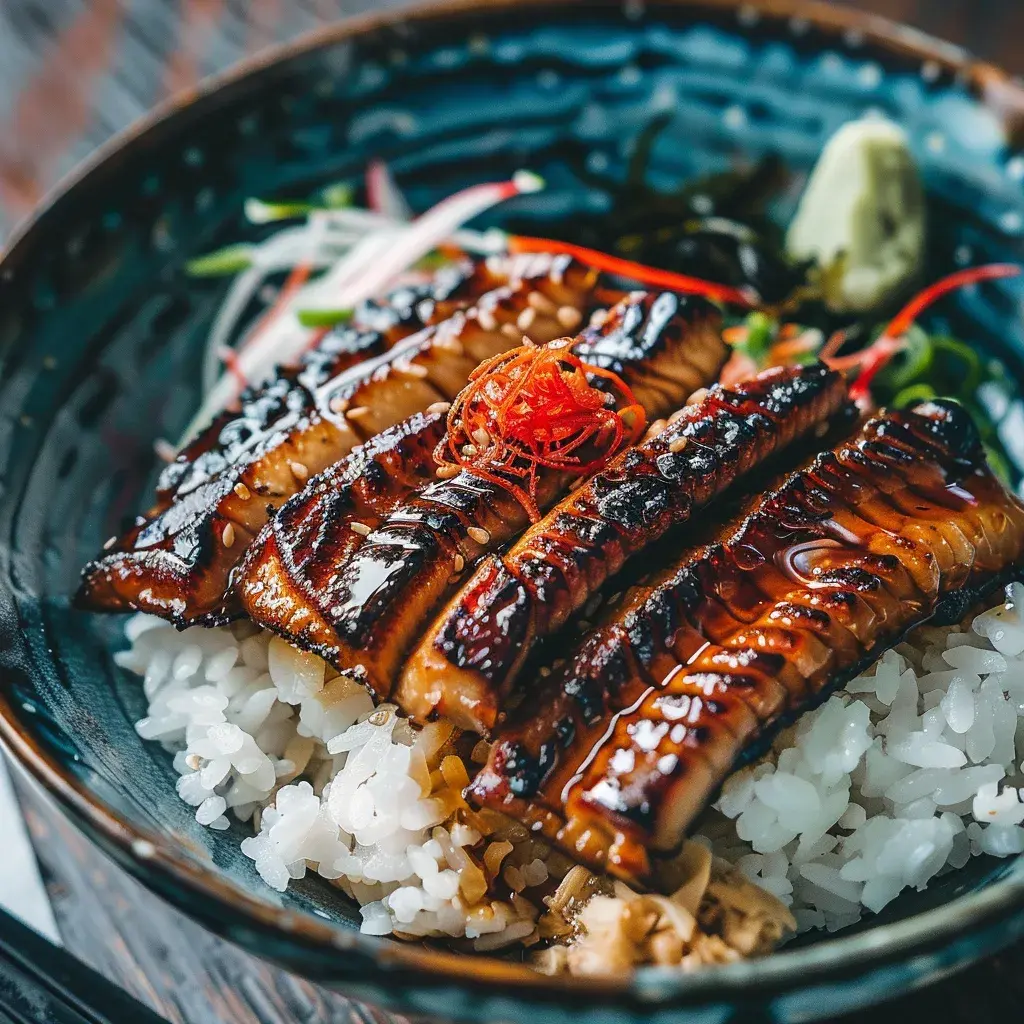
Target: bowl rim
point(162, 866)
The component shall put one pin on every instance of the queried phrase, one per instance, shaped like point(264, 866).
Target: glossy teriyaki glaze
point(661, 701)
point(367, 608)
point(467, 664)
point(396, 357)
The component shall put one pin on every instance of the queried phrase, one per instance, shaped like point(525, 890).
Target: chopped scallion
point(232, 259)
point(323, 317)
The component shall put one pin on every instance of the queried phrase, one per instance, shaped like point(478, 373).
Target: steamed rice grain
point(911, 770)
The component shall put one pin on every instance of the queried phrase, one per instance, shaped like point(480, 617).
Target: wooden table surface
point(72, 72)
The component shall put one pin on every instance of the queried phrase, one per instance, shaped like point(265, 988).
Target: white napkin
point(21, 888)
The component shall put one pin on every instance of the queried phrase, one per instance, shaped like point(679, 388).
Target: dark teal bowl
point(100, 339)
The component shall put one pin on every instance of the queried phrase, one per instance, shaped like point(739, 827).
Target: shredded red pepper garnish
point(538, 407)
point(873, 358)
point(635, 271)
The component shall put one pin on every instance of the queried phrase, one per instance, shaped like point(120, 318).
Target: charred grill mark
point(289, 570)
point(391, 584)
point(401, 357)
point(662, 700)
point(663, 345)
point(470, 658)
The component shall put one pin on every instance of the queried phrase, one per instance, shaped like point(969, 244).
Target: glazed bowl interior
point(101, 334)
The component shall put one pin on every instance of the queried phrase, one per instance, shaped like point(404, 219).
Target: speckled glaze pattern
point(100, 341)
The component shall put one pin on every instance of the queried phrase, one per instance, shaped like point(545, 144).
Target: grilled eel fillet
point(363, 611)
point(288, 570)
point(212, 501)
point(900, 524)
point(466, 664)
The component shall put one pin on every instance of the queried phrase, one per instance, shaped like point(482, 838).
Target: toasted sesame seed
point(300, 471)
point(599, 318)
point(486, 319)
point(469, 450)
point(109, 543)
point(412, 370)
point(242, 491)
point(446, 472)
point(676, 416)
point(358, 412)
point(338, 404)
point(697, 397)
point(654, 429)
point(569, 317)
point(525, 319)
point(540, 302)
point(165, 451)
point(511, 331)
point(361, 528)
point(228, 535)
point(478, 534)
point(460, 563)
point(440, 408)
point(545, 671)
point(677, 444)
point(194, 761)
point(481, 437)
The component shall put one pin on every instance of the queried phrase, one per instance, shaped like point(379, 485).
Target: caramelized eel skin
point(288, 570)
point(363, 611)
point(630, 742)
point(395, 358)
point(466, 665)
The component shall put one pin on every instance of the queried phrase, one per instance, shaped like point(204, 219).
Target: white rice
point(271, 735)
point(909, 772)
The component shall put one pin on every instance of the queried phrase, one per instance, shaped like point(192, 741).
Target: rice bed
point(910, 771)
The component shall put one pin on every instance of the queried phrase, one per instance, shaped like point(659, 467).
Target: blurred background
point(73, 72)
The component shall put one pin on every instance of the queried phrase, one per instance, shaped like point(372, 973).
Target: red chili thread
point(538, 407)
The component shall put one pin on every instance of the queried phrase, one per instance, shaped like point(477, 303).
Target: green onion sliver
point(919, 392)
point(911, 363)
point(232, 259)
point(946, 346)
point(323, 317)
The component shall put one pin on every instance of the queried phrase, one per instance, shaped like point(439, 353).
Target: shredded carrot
point(635, 271)
point(229, 357)
point(873, 358)
point(835, 342)
point(793, 345)
point(736, 335)
point(295, 280)
point(534, 407)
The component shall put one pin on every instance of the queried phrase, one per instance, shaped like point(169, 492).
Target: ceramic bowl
point(100, 340)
